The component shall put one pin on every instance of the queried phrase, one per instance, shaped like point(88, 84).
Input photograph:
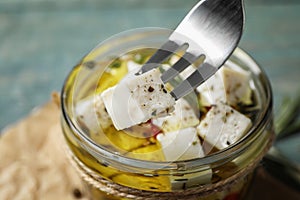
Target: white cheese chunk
point(182, 117)
point(237, 86)
point(91, 111)
point(212, 90)
point(181, 144)
point(223, 126)
point(137, 98)
point(228, 86)
point(184, 144)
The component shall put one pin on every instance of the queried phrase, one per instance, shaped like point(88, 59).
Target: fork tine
point(203, 72)
point(186, 60)
point(160, 55)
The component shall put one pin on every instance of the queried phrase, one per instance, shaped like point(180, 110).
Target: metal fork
point(212, 29)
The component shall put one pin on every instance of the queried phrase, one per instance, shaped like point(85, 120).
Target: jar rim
point(133, 164)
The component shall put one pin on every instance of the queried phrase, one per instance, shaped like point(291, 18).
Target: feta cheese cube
point(228, 86)
point(237, 86)
point(212, 90)
point(182, 117)
point(182, 144)
point(137, 98)
point(92, 113)
point(223, 126)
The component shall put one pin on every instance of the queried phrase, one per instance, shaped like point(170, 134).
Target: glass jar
point(112, 175)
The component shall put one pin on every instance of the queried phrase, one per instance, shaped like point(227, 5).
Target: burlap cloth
point(33, 164)
point(32, 160)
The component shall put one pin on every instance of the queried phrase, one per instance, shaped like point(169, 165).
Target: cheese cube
point(237, 86)
point(212, 90)
point(223, 126)
point(182, 144)
point(228, 86)
point(137, 98)
point(92, 113)
point(182, 117)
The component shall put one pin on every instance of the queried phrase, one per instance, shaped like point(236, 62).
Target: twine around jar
point(117, 190)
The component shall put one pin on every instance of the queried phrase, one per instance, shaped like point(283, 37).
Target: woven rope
point(117, 190)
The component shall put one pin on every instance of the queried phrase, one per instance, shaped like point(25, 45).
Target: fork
point(211, 29)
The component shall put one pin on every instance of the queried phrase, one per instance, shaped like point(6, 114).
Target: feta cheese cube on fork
point(137, 98)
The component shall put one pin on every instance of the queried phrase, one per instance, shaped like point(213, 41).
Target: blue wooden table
point(40, 41)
